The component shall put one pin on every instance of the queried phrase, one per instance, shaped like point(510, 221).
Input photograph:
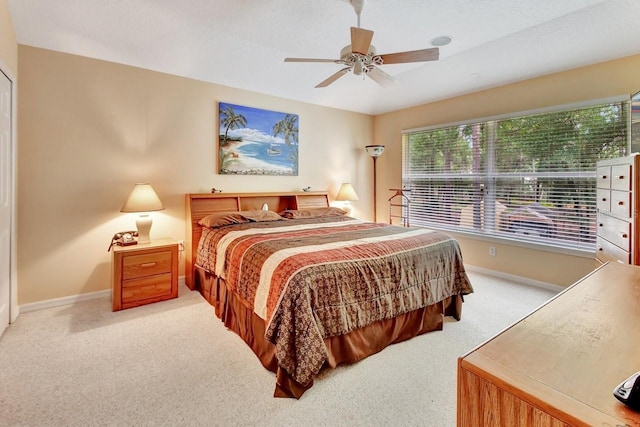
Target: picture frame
point(254, 141)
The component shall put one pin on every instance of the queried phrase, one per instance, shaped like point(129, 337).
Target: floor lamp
point(374, 151)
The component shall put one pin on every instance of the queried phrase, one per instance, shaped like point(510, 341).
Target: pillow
point(219, 219)
point(312, 213)
point(260, 215)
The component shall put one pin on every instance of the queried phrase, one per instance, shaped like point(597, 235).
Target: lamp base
point(143, 223)
point(346, 206)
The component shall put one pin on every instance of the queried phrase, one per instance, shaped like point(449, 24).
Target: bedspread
point(310, 279)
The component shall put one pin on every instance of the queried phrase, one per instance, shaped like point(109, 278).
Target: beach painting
point(257, 142)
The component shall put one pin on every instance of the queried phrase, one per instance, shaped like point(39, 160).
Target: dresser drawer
point(603, 200)
point(621, 203)
point(615, 231)
point(146, 287)
point(603, 177)
point(621, 177)
point(607, 251)
point(147, 264)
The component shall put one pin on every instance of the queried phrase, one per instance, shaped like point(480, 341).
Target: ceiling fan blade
point(333, 77)
point(361, 40)
point(335, 61)
point(421, 55)
point(380, 77)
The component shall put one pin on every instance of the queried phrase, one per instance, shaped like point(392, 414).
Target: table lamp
point(143, 199)
point(346, 194)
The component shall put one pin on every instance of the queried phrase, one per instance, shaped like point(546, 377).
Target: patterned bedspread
point(312, 279)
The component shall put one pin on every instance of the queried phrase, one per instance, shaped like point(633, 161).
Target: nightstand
point(142, 274)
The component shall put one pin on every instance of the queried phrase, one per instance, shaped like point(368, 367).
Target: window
point(529, 178)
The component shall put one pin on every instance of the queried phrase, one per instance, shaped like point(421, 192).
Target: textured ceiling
point(242, 43)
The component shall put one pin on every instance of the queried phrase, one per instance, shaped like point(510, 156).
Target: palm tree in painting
point(288, 128)
point(230, 120)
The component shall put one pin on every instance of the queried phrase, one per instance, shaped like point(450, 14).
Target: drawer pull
point(620, 203)
point(604, 176)
point(600, 249)
point(601, 225)
point(148, 264)
point(624, 235)
point(621, 177)
point(604, 199)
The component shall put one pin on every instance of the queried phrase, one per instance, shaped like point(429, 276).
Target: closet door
point(5, 199)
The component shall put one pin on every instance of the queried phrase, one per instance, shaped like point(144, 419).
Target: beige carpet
point(174, 363)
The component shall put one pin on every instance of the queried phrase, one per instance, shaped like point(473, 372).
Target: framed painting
point(252, 141)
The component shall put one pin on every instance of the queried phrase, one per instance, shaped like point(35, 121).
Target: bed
point(309, 288)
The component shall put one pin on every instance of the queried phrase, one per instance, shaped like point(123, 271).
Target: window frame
point(485, 235)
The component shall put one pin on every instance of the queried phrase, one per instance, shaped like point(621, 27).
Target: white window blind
point(530, 178)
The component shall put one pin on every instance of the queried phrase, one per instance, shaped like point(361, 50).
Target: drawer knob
point(604, 199)
point(148, 264)
point(604, 177)
point(620, 203)
point(600, 249)
point(621, 177)
point(624, 235)
point(601, 225)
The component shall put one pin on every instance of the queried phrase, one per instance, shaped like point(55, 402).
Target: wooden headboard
point(201, 205)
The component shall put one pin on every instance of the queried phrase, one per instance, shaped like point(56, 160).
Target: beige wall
point(91, 129)
point(8, 44)
point(598, 81)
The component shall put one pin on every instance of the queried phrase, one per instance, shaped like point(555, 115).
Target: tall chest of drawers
point(617, 205)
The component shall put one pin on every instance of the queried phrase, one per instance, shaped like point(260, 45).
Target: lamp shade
point(375, 150)
point(142, 199)
point(346, 193)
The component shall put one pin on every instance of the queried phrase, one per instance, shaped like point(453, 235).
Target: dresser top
point(571, 353)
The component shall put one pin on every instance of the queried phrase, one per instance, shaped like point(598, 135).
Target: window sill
point(583, 253)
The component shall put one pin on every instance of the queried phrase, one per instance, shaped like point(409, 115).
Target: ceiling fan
point(361, 58)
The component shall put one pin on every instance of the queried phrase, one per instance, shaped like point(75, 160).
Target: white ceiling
point(242, 43)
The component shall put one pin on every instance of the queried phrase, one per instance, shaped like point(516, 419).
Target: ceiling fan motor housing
point(358, 62)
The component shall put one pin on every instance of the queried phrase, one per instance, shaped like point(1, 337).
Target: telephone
point(124, 238)
point(628, 392)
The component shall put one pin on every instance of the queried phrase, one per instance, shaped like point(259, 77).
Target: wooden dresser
point(558, 366)
point(617, 203)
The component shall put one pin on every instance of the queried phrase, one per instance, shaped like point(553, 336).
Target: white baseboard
point(514, 278)
point(72, 299)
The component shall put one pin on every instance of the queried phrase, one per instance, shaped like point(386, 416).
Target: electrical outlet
point(492, 250)
point(181, 245)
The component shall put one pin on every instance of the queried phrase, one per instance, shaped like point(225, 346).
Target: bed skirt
point(348, 348)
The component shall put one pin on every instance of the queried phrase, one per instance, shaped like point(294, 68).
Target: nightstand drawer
point(147, 287)
point(143, 265)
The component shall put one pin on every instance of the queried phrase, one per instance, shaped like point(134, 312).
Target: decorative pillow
point(312, 213)
point(261, 215)
point(220, 219)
